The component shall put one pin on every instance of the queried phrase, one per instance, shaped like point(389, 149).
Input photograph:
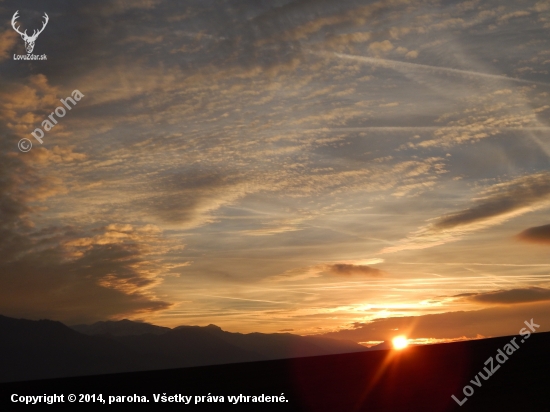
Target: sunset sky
point(311, 166)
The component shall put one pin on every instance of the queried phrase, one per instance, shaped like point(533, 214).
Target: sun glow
point(400, 342)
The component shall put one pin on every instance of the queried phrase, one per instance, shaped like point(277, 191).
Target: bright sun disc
point(400, 342)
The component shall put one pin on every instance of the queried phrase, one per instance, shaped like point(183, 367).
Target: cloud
point(61, 272)
point(515, 14)
point(297, 20)
point(345, 269)
point(495, 205)
point(498, 321)
point(407, 68)
point(337, 269)
point(188, 199)
point(26, 104)
point(280, 226)
point(337, 41)
point(502, 201)
point(381, 47)
point(77, 282)
point(542, 6)
point(497, 113)
point(392, 104)
point(142, 39)
point(114, 7)
point(511, 296)
point(58, 155)
point(7, 41)
point(538, 234)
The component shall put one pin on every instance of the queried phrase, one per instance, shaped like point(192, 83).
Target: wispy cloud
point(346, 269)
point(511, 296)
point(493, 206)
point(415, 67)
point(359, 268)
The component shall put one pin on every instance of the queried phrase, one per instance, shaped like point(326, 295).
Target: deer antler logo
point(29, 40)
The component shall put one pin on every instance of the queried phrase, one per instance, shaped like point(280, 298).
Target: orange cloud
point(538, 234)
point(497, 321)
point(510, 296)
point(381, 47)
point(348, 269)
point(7, 41)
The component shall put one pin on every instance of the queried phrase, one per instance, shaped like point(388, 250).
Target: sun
point(400, 342)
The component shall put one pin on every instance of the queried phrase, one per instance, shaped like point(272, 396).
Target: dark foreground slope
point(417, 379)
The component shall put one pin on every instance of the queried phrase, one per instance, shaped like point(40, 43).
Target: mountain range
point(49, 349)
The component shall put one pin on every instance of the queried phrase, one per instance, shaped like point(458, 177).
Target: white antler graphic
point(29, 40)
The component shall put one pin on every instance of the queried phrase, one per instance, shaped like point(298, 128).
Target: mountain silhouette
point(123, 327)
point(48, 349)
point(382, 346)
